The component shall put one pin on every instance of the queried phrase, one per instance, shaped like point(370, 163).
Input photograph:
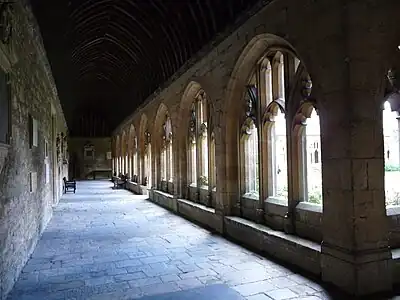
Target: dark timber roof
point(108, 56)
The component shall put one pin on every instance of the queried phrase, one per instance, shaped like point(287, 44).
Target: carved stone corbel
point(147, 140)
point(306, 87)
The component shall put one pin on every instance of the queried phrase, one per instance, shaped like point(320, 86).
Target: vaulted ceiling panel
point(114, 53)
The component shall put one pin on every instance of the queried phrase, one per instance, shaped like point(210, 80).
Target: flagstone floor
point(111, 244)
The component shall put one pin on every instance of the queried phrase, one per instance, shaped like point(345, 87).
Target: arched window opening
point(135, 159)
point(163, 163)
point(278, 76)
point(127, 163)
point(391, 124)
point(203, 137)
point(118, 166)
point(166, 151)
point(147, 160)
point(250, 163)
point(170, 162)
point(266, 81)
point(213, 163)
point(312, 139)
point(192, 163)
point(204, 154)
point(192, 155)
point(279, 161)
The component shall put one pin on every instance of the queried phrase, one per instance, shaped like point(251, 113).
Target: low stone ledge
point(133, 187)
point(294, 250)
point(164, 199)
point(309, 221)
point(396, 265)
point(143, 190)
point(393, 215)
point(199, 213)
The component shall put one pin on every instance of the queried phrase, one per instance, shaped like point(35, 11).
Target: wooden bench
point(120, 181)
point(69, 184)
point(107, 172)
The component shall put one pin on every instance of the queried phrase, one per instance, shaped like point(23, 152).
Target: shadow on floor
point(214, 292)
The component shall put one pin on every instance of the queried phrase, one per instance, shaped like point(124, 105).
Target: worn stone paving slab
point(111, 244)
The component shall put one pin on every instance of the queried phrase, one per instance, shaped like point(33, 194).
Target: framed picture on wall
point(88, 152)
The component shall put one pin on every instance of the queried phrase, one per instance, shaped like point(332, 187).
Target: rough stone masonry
point(26, 193)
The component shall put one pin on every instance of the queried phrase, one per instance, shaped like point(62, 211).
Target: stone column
point(226, 153)
point(348, 76)
point(355, 250)
point(262, 157)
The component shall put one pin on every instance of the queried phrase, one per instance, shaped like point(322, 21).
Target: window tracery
point(147, 159)
point(166, 151)
point(277, 150)
point(249, 160)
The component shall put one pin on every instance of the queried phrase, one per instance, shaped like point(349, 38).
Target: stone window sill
point(167, 195)
point(310, 207)
point(275, 206)
point(393, 210)
point(249, 196)
point(277, 201)
point(197, 205)
point(278, 234)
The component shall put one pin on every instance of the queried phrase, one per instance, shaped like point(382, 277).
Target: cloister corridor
point(111, 244)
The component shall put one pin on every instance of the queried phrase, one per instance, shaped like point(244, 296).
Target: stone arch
point(249, 57)
point(131, 138)
point(162, 112)
point(299, 167)
point(145, 139)
point(187, 99)
point(253, 53)
point(159, 148)
point(193, 89)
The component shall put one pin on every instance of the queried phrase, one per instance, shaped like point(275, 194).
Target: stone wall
point(25, 212)
point(82, 167)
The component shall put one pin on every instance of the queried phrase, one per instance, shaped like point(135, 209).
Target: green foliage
point(203, 180)
point(392, 198)
point(392, 168)
point(315, 196)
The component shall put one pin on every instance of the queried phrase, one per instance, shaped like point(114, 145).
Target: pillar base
point(237, 209)
point(361, 273)
point(260, 216)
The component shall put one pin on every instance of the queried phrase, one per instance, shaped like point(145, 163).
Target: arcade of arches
point(281, 134)
point(283, 145)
